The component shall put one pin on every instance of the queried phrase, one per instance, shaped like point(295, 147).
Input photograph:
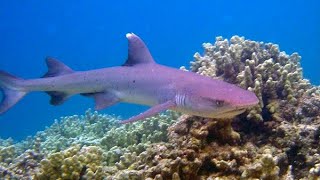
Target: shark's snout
point(248, 99)
point(239, 105)
point(237, 96)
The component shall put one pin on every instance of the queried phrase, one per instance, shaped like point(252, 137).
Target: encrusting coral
point(277, 139)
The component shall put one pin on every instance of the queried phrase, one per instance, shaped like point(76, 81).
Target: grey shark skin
point(140, 80)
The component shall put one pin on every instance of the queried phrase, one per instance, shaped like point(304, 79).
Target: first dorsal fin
point(138, 52)
point(56, 68)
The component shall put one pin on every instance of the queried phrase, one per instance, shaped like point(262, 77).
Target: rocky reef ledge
point(277, 139)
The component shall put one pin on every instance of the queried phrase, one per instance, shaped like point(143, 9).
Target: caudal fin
point(11, 91)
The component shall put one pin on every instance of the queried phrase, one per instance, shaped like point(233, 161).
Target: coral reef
point(195, 151)
point(79, 146)
point(288, 114)
point(7, 151)
point(136, 137)
point(259, 67)
point(277, 139)
point(87, 129)
point(73, 163)
point(6, 154)
point(22, 167)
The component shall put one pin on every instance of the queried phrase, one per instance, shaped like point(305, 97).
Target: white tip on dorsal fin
point(138, 52)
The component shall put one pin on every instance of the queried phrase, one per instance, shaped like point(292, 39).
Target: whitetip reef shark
point(139, 80)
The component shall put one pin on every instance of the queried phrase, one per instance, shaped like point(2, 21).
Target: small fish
point(139, 80)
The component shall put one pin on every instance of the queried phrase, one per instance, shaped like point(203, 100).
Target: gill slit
point(180, 100)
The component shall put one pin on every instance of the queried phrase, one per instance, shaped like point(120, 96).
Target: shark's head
point(216, 99)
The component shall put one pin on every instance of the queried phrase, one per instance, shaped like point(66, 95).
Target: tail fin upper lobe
point(11, 91)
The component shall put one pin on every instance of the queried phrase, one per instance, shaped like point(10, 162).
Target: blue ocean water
point(91, 34)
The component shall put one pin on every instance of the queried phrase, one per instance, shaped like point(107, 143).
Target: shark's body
point(141, 81)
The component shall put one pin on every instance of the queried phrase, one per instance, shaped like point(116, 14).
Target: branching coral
point(7, 153)
point(73, 163)
point(87, 129)
point(103, 130)
point(22, 167)
point(92, 131)
point(136, 137)
point(195, 151)
point(256, 66)
point(277, 139)
point(289, 107)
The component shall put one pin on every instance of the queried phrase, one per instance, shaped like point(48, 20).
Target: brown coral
point(73, 163)
point(260, 67)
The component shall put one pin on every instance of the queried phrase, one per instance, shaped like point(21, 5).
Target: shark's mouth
point(230, 113)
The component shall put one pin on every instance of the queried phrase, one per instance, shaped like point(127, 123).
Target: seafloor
point(277, 139)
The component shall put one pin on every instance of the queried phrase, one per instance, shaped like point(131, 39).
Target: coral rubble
point(277, 139)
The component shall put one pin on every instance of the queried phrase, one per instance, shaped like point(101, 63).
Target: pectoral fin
point(103, 99)
point(150, 112)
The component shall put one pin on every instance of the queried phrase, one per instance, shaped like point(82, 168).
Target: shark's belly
point(138, 97)
point(143, 91)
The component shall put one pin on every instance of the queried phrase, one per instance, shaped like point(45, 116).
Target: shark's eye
point(214, 102)
point(219, 103)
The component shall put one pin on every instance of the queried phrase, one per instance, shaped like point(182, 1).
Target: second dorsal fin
point(56, 68)
point(138, 52)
